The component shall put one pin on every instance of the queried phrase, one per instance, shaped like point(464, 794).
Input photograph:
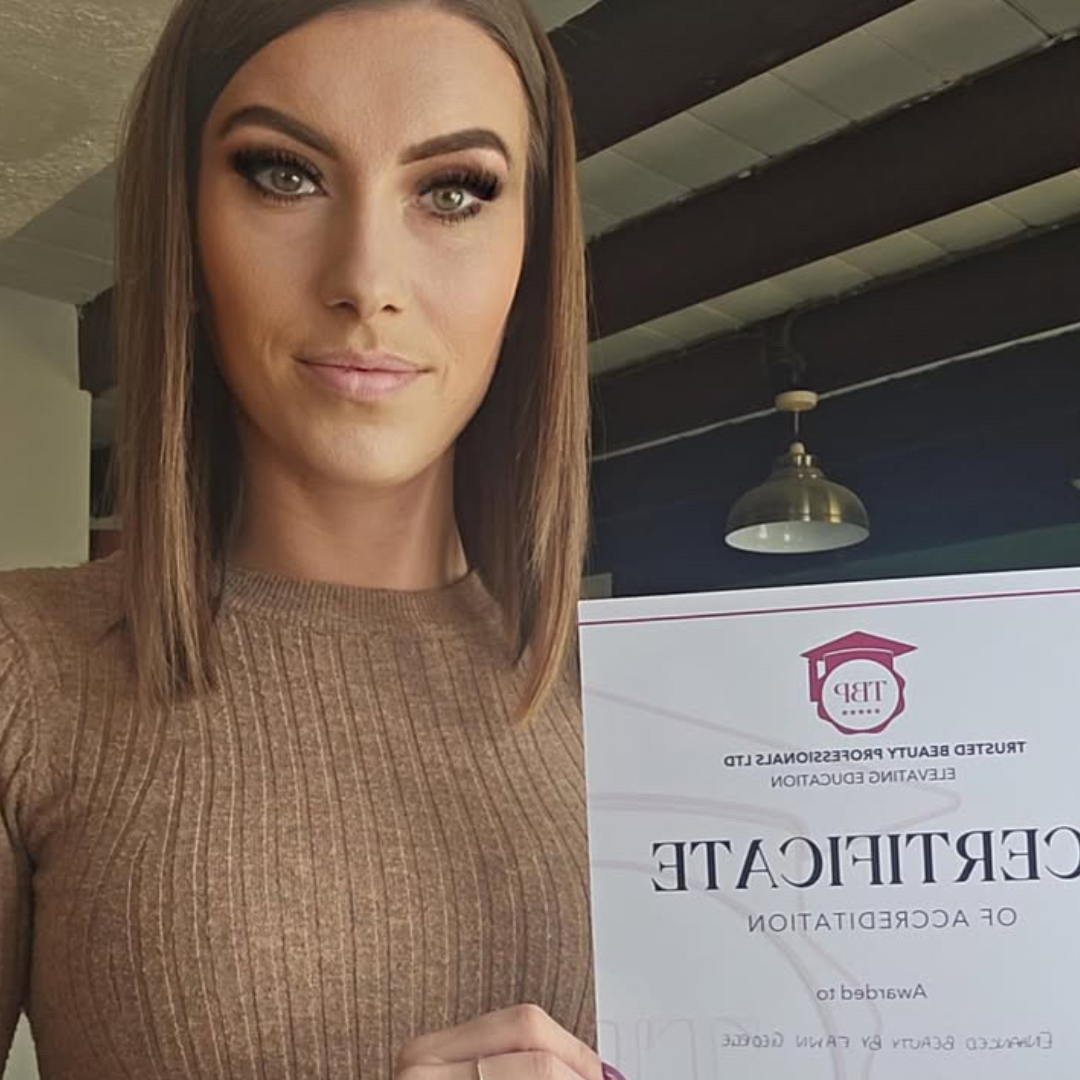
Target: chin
point(381, 468)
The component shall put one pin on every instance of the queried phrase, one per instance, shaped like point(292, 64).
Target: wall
point(44, 467)
point(44, 435)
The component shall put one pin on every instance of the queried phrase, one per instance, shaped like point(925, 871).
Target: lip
point(366, 376)
point(362, 361)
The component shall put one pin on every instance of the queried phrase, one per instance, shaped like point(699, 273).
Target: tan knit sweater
point(348, 845)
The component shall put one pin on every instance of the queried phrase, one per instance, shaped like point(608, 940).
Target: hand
point(519, 1043)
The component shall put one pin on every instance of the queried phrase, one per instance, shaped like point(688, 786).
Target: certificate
point(835, 830)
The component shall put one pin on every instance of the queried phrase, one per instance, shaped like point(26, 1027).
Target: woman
point(292, 786)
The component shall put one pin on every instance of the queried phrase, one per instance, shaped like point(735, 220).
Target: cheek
point(469, 298)
point(239, 289)
point(229, 268)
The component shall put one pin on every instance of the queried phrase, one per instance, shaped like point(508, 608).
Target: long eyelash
point(249, 162)
point(481, 183)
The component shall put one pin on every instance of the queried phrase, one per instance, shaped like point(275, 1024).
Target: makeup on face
point(468, 186)
point(362, 259)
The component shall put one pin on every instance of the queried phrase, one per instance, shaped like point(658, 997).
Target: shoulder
point(51, 621)
point(54, 613)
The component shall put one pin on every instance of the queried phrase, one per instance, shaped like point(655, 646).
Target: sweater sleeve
point(17, 746)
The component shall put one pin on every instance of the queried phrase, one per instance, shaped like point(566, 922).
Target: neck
point(403, 538)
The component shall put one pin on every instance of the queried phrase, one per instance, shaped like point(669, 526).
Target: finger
point(461, 1070)
point(531, 1065)
point(518, 1029)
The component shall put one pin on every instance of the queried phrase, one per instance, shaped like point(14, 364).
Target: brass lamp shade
point(797, 511)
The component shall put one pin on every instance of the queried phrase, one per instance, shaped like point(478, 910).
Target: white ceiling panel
point(595, 220)
point(63, 228)
point(94, 196)
point(38, 282)
point(970, 228)
point(956, 37)
point(25, 251)
point(52, 272)
point(825, 277)
point(693, 323)
point(892, 254)
point(858, 75)
point(626, 347)
point(554, 13)
point(689, 151)
point(771, 115)
point(757, 301)
point(1047, 202)
point(624, 188)
point(1057, 16)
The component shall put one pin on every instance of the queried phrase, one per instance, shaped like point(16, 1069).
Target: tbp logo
point(854, 682)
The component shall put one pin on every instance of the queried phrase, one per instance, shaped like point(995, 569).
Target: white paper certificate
point(835, 830)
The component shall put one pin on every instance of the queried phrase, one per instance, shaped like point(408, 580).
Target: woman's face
point(361, 227)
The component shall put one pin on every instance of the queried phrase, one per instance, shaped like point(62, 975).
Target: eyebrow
point(466, 139)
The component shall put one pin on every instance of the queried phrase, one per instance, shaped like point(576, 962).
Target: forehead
point(376, 79)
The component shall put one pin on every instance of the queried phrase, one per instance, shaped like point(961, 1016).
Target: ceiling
point(66, 68)
point(908, 55)
point(738, 162)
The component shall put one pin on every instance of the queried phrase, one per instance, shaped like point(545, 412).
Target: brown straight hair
point(521, 465)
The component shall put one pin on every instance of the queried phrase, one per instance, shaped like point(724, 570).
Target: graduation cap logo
point(855, 684)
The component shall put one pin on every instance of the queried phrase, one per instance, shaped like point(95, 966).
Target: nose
point(363, 260)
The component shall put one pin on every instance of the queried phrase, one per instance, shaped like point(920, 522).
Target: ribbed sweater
point(347, 844)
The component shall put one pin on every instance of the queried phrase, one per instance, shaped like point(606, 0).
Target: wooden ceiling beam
point(1013, 291)
point(1000, 132)
point(633, 63)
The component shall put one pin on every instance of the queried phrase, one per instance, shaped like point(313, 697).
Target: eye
point(450, 200)
point(456, 196)
point(277, 174)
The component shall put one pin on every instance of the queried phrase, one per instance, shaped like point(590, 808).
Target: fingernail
point(610, 1072)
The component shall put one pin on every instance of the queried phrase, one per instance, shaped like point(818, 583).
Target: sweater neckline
point(275, 595)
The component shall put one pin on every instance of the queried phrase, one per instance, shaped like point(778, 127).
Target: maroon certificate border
point(853, 606)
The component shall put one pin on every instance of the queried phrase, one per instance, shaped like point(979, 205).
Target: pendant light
point(797, 511)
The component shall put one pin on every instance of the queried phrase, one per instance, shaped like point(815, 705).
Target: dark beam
point(632, 63)
point(96, 373)
point(1010, 292)
point(1007, 129)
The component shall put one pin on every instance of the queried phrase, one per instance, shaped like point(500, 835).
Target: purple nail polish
point(611, 1073)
